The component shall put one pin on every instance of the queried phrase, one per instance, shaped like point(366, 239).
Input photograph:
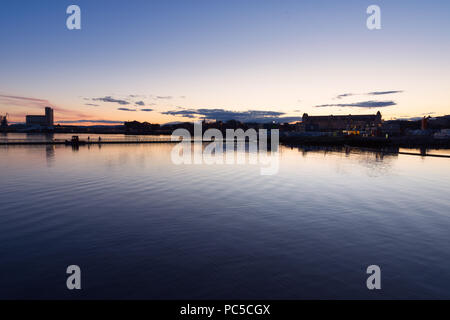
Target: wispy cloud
point(225, 115)
point(112, 100)
point(37, 103)
point(35, 100)
point(378, 93)
point(164, 97)
point(147, 110)
point(92, 104)
point(90, 121)
point(363, 104)
point(373, 93)
point(126, 109)
point(344, 95)
point(140, 103)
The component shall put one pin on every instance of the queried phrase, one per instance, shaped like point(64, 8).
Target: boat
point(75, 141)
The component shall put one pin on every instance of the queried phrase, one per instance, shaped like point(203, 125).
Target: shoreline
point(368, 142)
point(325, 141)
point(377, 145)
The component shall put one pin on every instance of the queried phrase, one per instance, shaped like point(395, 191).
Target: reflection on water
point(50, 154)
point(425, 151)
point(377, 163)
point(33, 137)
point(141, 227)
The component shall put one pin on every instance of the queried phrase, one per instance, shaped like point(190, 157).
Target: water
point(142, 227)
point(38, 137)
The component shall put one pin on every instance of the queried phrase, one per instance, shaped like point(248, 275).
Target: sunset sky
point(180, 60)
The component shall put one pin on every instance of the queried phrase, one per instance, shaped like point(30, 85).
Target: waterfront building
point(41, 120)
point(361, 123)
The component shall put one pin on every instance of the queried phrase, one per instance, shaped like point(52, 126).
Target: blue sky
point(282, 56)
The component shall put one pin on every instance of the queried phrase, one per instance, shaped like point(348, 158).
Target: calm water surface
point(142, 227)
point(36, 137)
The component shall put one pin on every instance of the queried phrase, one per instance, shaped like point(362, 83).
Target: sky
point(181, 60)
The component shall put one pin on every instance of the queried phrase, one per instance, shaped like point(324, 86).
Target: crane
point(4, 121)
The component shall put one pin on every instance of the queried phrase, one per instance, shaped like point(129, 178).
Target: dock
point(81, 143)
point(75, 142)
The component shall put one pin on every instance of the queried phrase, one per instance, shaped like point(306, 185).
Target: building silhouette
point(3, 122)
point(43, 121)
point(341, 122)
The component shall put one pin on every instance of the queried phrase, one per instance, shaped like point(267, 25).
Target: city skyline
point(180, 61)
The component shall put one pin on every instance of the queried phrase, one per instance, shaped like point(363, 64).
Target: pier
point(80, 143)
